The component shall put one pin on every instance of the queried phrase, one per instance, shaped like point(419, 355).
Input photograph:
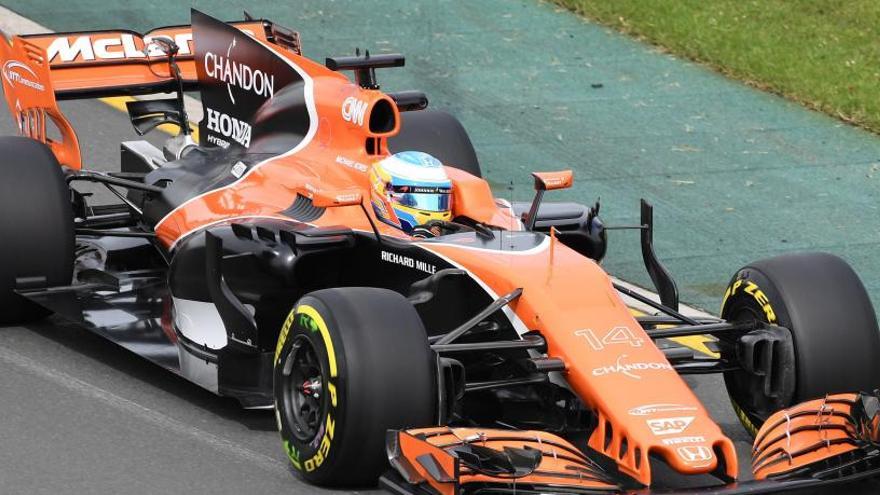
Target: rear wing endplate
point(27, 86)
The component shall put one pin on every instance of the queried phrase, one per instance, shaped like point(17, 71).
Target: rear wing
point(40, 69)
point(112, 63)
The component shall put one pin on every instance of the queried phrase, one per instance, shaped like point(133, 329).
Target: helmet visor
point(422, 198)
point(422, 201)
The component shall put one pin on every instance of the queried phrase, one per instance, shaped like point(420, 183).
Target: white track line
point(12, 23)
point(162, 421)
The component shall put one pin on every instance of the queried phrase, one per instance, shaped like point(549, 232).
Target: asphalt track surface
point(80, 415)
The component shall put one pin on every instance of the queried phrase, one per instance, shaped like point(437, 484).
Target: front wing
point(823, 442)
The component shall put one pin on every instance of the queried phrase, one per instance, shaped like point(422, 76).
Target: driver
point(410, 190)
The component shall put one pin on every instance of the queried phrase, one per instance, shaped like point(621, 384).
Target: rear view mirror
point(548, 181)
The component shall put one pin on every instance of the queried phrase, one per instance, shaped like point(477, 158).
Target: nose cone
point(684, 436)
point(643, 405)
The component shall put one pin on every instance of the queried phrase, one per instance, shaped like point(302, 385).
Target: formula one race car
point(286, 261)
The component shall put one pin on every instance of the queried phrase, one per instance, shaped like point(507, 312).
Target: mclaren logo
point(238, 74)
point(18, 73)
point(230, 127)
point(123, 46)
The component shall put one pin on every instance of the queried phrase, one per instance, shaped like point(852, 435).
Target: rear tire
point(350, 364)
point(438, 134)
point(36, 224)
point(832, 321)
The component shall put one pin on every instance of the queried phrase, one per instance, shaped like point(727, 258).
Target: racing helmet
point(410, 188)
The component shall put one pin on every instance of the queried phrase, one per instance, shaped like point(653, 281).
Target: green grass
point(822, 53)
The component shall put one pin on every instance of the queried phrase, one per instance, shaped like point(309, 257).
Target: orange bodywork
point(31, 99)
point(563, 298)
point(550, 181)
point(612, 363)
point(643, 406)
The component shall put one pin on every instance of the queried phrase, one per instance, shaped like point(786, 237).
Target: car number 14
point(617, 335)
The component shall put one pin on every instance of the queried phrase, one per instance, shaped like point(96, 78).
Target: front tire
point(821, 300)
point(350, 364)
point(36, 225)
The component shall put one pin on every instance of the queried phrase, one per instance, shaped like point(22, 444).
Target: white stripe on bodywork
point(197, 370)
point(199, 322)
point(518, 324)
point(543, 245)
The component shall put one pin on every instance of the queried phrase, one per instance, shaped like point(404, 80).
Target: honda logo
point(695, 453)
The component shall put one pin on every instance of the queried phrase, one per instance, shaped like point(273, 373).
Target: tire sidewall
point(385, 379)
point(820, 299)
point(36, 225)
point(312, 320)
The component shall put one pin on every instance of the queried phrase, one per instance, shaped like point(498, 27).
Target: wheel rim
point(303, 390)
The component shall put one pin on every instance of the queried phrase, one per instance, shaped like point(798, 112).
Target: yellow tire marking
point(326, 441)
point(118, 102)
point(323, 451)
point(314, 315)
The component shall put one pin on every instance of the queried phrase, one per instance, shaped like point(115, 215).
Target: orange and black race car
point(457, 344)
